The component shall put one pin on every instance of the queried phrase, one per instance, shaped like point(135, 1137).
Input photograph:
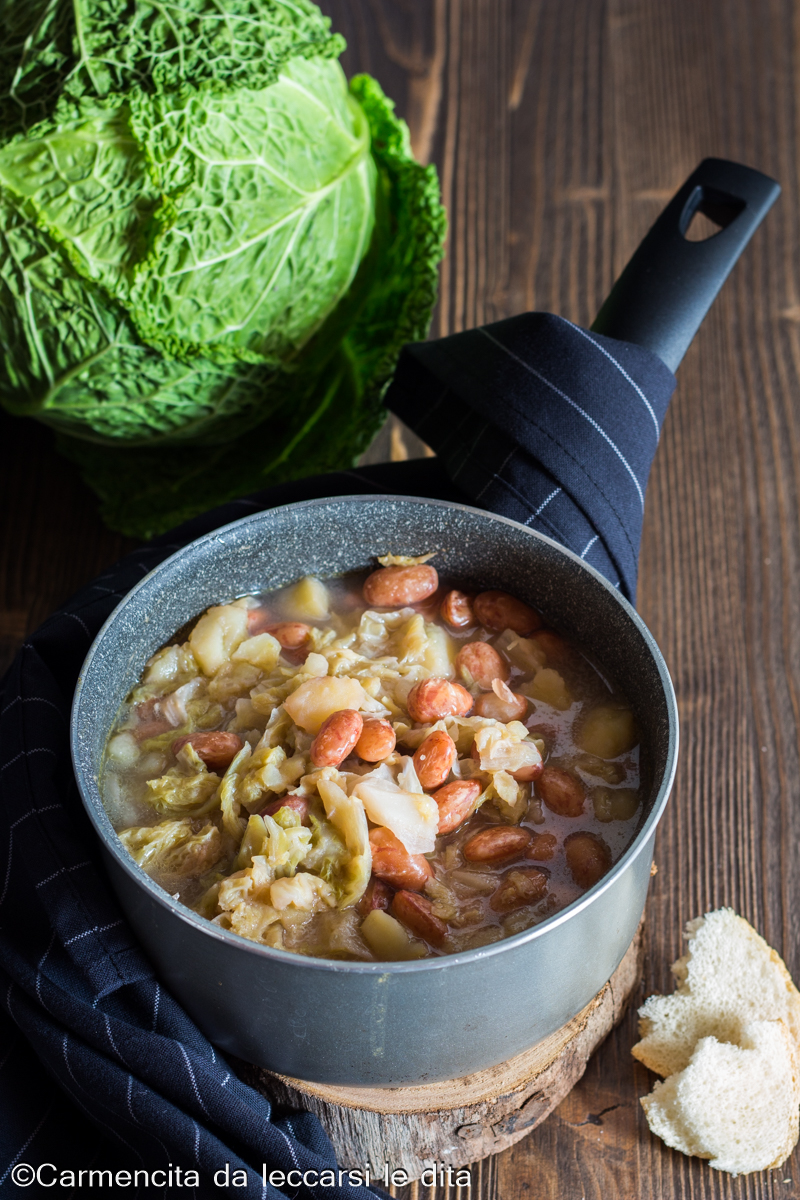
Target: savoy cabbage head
point(211, 247)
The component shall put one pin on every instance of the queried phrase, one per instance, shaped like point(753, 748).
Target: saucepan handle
point(670, 283)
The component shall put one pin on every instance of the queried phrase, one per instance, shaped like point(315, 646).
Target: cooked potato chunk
point(217, 634)
point(308, 600)
point(261, 651)
point(549, 687)
point(608, 732)
point(317, 699)
point(387, 939)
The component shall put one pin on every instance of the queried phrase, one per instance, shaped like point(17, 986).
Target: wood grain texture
point(560, 128)
point(52, 540)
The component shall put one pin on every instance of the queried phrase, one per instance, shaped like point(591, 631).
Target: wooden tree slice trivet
point(460, 1120)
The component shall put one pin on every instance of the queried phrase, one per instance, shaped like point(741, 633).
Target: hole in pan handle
point(670, 283)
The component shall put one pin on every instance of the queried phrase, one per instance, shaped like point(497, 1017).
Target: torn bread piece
point(736, 1105)
point(728, 978)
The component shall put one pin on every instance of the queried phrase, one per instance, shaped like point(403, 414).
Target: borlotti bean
point(376, 767)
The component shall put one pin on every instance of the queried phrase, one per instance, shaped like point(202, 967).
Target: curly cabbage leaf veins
point(197, 221)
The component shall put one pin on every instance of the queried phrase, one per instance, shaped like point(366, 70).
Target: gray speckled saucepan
point(381, 1024)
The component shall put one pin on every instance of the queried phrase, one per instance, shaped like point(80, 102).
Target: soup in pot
point(375, 767)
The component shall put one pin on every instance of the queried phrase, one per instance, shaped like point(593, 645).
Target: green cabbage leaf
point(211, 247)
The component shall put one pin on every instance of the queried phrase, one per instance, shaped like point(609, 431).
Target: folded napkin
point(532, 418)
point(545, 423)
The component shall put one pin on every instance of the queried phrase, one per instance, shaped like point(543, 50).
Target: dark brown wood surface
point(560, 128)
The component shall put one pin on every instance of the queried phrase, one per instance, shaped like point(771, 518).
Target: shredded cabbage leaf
point(282, 841)
point(173, 848)
point(346, 815)
point(412, 816)
point(243, 900)
point(188, 788)
point(506, 748)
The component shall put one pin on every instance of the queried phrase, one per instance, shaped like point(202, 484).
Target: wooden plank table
point(560, 128)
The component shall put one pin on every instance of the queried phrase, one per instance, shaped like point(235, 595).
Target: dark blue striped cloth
point(547, 424)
